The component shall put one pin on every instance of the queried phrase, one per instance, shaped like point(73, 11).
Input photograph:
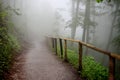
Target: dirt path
point(39, 63)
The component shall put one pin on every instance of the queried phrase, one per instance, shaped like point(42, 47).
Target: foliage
point(103, 0)
point(116, 41)
point(99, 1)
point(73, 58)
point(8, 42)
point(93, 70)
point(13, 40)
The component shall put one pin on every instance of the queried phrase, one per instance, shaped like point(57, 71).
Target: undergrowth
point(8, 42)
point(91, 70)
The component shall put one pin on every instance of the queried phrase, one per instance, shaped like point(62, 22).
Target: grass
point(92, 70)
point(72, 56)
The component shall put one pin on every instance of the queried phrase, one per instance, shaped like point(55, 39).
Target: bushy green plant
point(13, 41)
point(93, 70)
point(8, 42)
point(73, 58)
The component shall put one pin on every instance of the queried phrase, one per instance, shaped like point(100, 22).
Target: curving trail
point(39, 63)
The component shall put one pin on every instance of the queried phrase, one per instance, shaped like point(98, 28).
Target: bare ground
point(39, 63)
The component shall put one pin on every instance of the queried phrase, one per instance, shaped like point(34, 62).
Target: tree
point(74, 22)
point(57, 23)
point(113, 26)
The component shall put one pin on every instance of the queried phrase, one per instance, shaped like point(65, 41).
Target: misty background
point(25, 24)
point(84, 20)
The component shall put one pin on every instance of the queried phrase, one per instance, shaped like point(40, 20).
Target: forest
point(24, 25)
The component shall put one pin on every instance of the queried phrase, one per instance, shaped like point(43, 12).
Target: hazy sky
point(41, 15)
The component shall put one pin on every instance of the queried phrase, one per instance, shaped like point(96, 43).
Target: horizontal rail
point(93, 47)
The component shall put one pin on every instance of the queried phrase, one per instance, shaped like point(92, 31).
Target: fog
point(90, 23)
point(38, 17)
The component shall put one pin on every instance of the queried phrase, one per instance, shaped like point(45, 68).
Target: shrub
point(8, 42)
point(93, 70)
point(73, 58)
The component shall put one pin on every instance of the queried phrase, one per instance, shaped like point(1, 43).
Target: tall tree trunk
point(86, 20)
point(111, 34)
point(75, 20)
point(86, 25)
point(84, 33)
point(87, 39)
point(14, 5)
point(73, 31)
point(111, 30)
point(73, 9)
point(72, 27)
point(93, 19)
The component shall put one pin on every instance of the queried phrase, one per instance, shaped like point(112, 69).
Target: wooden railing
point(112, 56)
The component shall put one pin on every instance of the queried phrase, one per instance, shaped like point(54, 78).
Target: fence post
point(61, 48)
point(56, 45)
point(52, 42)
point(80, 57)
point(111, 68)
point(65, 48)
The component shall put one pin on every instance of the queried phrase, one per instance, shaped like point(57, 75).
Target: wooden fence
point(112, 56)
